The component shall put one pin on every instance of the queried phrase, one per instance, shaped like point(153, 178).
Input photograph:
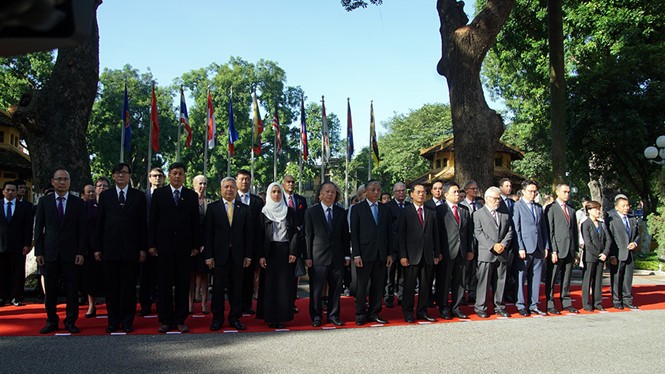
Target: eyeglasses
point(61, 179)
point(156, 176)
point(122, 172)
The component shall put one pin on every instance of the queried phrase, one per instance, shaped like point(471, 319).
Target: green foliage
point(22, 74)
point(647, 261)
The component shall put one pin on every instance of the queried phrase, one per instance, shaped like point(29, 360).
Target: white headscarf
point(275, 211)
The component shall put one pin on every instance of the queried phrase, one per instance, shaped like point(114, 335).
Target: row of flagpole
point(211, 131)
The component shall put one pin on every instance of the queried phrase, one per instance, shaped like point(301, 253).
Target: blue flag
point(233, 134)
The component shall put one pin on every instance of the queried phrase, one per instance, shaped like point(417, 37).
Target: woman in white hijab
point(277, 259)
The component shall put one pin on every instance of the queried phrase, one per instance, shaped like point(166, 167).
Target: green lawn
point(647, 261)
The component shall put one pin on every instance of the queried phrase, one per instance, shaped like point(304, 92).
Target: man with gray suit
point(623, 231)
point(562, 224)
point(532, 245)
point(456, 232)
point(494, 233)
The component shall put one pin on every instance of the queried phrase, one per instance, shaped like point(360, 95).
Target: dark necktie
point(533, 210)
point(495, 217)
point(176, 197)
point(401, 205)
point(9, 211)
point(456, 214)
point(329, 219)
point(627, 224)
point(420, 216)
point(473, 206)
point(291, 204)
point(375, 213)
point(61, 207)
point(121, 199)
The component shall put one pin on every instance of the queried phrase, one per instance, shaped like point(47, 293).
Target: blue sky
point(387, 53)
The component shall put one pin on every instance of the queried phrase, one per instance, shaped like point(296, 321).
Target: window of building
point(2, 136)
point(444, 162)
point(497, 162)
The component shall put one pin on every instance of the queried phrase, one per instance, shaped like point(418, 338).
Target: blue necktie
point(375, 213)
point(9, 211)
point(533, 211)
point(176, 197)
point(625, 222)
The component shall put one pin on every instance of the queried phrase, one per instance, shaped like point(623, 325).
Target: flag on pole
point(233, 134)
point(154, 122)
point(349, 131)
point(210, 123)
point(184, 118)
point(324, 130)
point(125, 122)
point(372, 135)
point(258, 128)
point(303, 130)
point(278, 133)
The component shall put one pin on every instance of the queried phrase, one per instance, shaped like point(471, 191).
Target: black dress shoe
point(128, 329)
point(600, 308)
point(459, 314)
point(316, 323)
point(588, 309)
point(238, 325)
point(408, 319)
point(389, 304)
point(48, 329)
point(553, 311)
point(524, 312)
point(446, 315)
point(631, 306)
point(503, 313)
point(360, 321)
point(164, 328)
point(72, 329)
point(216, 325)
point(111, 329)
point(183, 328)
point(336, 321)
point(378, 319)
point(295, 309)
point(275, 325)
point(571, 309)
point(618, 306)
point(482, 314)
point(538, 312)
point(427, 318)
point(249, 311)
point(15, 302)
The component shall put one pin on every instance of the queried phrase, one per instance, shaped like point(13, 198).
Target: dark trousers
point(422, 273)
point(395, 281)
point(471, 281)
point(622, 281)
point(148, 283)
point(248, 286)
point(319, 275)
point(173, 279)
point(491, 274)
point(12, 275)
point(529, 269)
point(593, 279)
point(69, 273)
point(562, 271)
point(450, 276)
point(227, 277)
point(120, 280)
point(373, 273)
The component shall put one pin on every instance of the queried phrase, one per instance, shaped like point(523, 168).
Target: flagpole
point(323, 156)
point(122, 128)
point(205, 142)
point(346, 172)
point(228, 148)
point(179, 128)
point(369, 160)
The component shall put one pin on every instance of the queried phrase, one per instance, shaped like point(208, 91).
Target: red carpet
point(27, 320)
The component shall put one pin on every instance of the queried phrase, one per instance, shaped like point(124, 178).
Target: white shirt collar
point(173, 189)
point(117, 190)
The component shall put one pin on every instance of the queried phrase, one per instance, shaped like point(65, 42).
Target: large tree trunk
point(557, 89)
point(54, 119)
point(476, 127)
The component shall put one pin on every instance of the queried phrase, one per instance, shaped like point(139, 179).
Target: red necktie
point(565, 212)
point(456, 214)
point(291, 202)
point(420, 217)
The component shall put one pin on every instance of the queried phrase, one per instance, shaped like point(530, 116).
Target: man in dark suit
point(623, 231)
point(121, 245)
point(255, 204)
point(395, 280)
point(436, 200)
point(456, 232)
point(148, 268)
point(15, 243)
point(174, 236)
point(564, 240)
point(228, 245)
point(532, 246)
point(372, 243)
point(494, 233)
point(506, 206)
point(298, 204)
point(60, 246)
point(418, 238)
point(328, 252)
point(473, 203)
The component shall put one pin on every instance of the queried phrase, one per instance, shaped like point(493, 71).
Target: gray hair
point(227, 179)
point(199, 177)
point(491, 191)
point(398, 184)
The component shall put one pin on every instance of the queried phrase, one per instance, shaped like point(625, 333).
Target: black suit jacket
point(325, 248)
point(17, 233)
point(291, 231)
point(174, 230)
point(595, 242)
point(255, 207)
point(369, 240)
point(121, 231)
point(228, 243)
point(300, 208)
point(619, 235)
point(57, 239)
point(418, 242)
point(456, 239)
